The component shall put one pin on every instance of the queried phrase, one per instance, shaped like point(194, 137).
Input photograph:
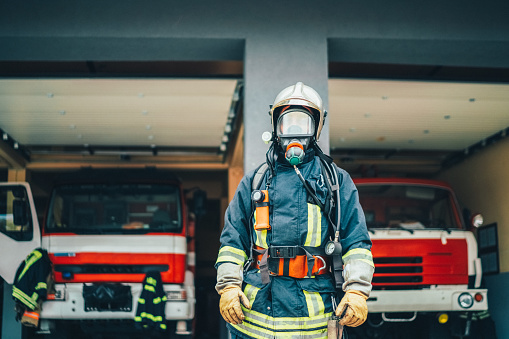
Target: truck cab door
point(19, 228)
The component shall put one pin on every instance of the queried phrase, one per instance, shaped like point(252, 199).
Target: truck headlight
point(465, 300)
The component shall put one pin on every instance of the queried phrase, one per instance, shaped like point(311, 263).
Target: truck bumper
point(71, 305)
point(429, 300)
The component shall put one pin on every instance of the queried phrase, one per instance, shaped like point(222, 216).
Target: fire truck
point(104, 230)
point(427, 270)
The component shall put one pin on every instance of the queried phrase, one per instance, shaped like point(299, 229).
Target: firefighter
point(274, 276)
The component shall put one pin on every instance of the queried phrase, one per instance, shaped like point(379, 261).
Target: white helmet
point(300, 95)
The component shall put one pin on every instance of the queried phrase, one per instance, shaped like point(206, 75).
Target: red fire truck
point(103, 229)
point(427, 270)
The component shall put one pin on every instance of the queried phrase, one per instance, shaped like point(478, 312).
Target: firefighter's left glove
point(352, 308)
point(229, 305)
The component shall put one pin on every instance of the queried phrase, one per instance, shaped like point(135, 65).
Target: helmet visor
point(295, 123)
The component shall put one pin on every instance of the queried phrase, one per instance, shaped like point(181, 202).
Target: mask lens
point(295, 123)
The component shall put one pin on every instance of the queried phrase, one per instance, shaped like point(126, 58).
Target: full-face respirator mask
point(294, 130)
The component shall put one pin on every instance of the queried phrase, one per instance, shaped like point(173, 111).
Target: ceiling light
point(222, 147)
point(72, 126)
point(148, 127)
point(367, 115)
point(141, 95)
point(144, 112)
point(447, 117)
point(150, 137)
point(352, 129)
point(385, 97)
point(5, 136)
point(471, 99)
point(62, 112)
point(49, 95)
point(16, 145)
point(426, 131)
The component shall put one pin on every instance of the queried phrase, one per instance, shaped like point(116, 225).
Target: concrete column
point(272, 64)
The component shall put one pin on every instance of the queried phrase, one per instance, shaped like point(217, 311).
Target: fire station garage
point(125, 128)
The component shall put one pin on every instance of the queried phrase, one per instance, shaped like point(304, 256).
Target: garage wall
point(481, 184)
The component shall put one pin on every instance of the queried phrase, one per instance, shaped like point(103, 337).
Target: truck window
point(115, 209)
point(15, 216)
point(407, 206)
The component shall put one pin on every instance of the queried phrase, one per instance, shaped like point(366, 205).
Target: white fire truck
point(427, 270)
point(103, 229)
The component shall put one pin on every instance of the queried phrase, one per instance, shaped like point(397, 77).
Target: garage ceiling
point(372, 122)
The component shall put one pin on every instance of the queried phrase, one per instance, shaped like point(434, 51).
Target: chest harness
point(300, 261)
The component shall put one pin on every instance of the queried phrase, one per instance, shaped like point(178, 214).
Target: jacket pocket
point(318, 188)
point(318, 293)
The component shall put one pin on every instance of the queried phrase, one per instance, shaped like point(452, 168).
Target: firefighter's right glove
point(229, 305)
point(352, 308)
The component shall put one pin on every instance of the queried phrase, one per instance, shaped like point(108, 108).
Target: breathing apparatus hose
point(306, 186)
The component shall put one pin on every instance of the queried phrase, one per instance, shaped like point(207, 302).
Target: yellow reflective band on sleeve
point(314, 302)
point(41, 285)
point(258, 325)
point(138, 319)
point(151, 317)
point(361, 254)
point(23, 298)
point(151, 281)
point(314, 235)
point(156, 300)
point(149, 288)
point(34, 296)
point(141, 301)
point(231, 254)
point(250, 291)
point(29, 261)
point(163, 326)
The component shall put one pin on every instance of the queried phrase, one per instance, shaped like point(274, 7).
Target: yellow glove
point(229, 305)
point(354, 307)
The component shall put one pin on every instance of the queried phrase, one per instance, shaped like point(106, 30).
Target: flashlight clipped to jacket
point(261, 201)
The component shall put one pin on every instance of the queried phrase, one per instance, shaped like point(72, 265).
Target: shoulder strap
point(258, 177)
point(333, 195)
point(255, 184)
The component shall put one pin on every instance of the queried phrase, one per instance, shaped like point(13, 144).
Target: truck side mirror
point(19, 212)
point(473, 220)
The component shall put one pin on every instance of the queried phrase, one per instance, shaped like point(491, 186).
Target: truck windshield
point(115, 209)
point(410, 207)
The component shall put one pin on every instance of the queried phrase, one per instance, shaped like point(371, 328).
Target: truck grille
point(413, 264)
point(398, 273)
